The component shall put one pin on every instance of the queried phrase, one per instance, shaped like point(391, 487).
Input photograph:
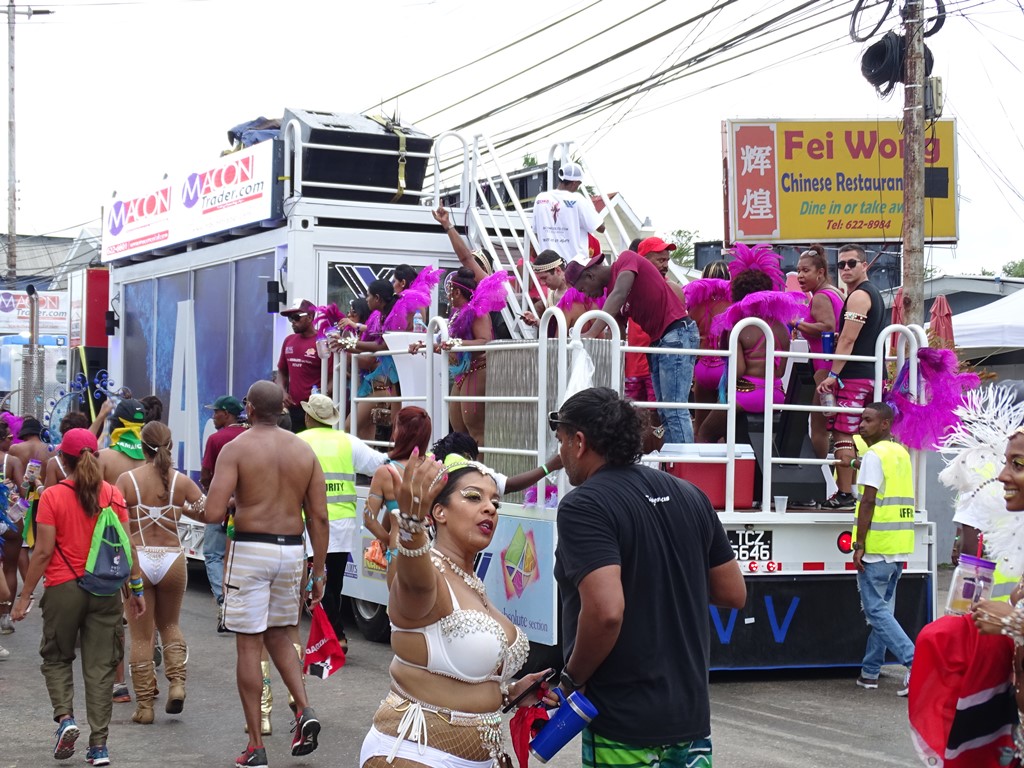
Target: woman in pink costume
point(756, 284)
point(706, 299)
point(826, 309)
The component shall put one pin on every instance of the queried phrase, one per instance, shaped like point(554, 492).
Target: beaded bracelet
point(418, 552)
point(411, 524)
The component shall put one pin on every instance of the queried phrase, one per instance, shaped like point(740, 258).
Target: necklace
point(472, 580)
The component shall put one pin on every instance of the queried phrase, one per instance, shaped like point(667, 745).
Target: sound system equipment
point(353, 167)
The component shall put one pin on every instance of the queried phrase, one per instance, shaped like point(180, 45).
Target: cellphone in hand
point(532, 689)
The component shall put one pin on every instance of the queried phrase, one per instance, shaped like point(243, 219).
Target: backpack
point(109, 562)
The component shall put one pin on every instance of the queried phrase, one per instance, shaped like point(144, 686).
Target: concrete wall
point(939, 503)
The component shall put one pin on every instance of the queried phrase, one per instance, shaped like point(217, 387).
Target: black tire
point(372, 620)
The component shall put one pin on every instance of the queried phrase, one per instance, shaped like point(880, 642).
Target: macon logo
point(7, 302)
point(199, 185)
point(125, 212)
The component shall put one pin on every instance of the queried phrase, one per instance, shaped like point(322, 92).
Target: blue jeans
point(877, 585)
point(672, 376)
point(215, 541)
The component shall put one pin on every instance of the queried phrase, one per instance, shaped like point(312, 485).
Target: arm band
point(855, 317)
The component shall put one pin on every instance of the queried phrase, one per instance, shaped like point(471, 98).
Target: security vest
point(333, 449)
point(892, 525)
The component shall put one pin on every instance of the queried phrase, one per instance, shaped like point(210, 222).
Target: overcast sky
point(112, 95)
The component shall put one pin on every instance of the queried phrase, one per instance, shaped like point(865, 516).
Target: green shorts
point(599, 752)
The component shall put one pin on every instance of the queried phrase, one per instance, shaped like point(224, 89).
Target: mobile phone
point(532, 689)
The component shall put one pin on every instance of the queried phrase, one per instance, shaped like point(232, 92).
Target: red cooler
point(710, 477)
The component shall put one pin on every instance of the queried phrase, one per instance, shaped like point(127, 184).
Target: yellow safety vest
point(333, 449)
point(1003, 586)
point(892, 525)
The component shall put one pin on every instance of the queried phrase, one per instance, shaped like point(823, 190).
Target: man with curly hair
point(640, 556)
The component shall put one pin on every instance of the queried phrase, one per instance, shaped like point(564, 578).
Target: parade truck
point(202, 262)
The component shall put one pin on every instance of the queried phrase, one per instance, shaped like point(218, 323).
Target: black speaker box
point(351, 166)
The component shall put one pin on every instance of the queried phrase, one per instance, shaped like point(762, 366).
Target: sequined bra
point(470, 646)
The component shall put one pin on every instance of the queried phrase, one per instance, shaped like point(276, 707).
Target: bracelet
point(318, 579)
point(411, 524)
point(544, 466)
point(199, 508)
point(833, 375)
point(136, 590)
point(418, 552)
point(136, 582)
point(448, 229)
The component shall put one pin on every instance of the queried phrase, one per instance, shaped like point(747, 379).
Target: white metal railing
point(565, 340)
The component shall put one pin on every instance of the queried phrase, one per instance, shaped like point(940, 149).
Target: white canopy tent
point(991, 329)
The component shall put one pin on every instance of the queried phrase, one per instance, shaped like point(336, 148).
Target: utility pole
point(12, 181)
point(913, 163)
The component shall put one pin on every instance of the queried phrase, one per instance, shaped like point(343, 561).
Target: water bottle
point(314, 390)
point(828, 400)
point(418, 326)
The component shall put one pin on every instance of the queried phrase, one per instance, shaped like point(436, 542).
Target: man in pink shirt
point(639, 291)
point(299, 365)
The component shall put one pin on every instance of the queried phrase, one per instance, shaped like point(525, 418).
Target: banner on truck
point(53, 313)
point(835, 181)
point(232, 191)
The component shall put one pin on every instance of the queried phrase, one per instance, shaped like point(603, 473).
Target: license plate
point(751, 545)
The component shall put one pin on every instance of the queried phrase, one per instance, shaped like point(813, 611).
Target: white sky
point(111, 95)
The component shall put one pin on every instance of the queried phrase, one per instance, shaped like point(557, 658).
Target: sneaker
point(905, 688)
point(840, 502)
point(253, 757)
point(867, 682)
point(4, 653)
point(158, 655)
point(306, 729)
point(67, 734)
point(6, 624)
point(98, 755)
point(121, 693)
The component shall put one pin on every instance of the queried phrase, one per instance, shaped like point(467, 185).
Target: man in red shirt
point(640, 291)
point(226, 410)
point(299, 365)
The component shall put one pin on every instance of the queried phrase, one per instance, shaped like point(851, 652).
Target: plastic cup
point(781, 502)
point(569, 720)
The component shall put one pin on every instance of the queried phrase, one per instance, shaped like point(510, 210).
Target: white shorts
point(263, 584)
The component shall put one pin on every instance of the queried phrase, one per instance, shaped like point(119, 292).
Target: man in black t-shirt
point(640, 557)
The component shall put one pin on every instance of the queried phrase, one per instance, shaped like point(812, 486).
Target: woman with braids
point(156, 496)
point(640, 558)
point(756, 292)
point(455, 653)
point(411, 432)
point(378, 375)
point(64, 529)
point(826, 311)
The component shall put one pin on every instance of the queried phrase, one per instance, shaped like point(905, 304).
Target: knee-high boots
point(144, 682)
point(175, 655)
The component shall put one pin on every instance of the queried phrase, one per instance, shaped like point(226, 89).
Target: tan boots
point(175, 655)
point(144, 681)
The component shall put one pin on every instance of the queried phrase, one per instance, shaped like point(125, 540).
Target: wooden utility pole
point(12, 178)
point(913, 164)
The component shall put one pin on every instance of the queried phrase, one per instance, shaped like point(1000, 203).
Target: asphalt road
point(773, 720)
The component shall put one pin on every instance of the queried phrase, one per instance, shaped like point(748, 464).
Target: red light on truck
point(845, 542)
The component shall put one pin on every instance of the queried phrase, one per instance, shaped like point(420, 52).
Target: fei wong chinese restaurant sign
point(839, 181)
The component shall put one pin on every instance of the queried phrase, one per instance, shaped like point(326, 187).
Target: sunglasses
point(554, 421)
point(849, 264)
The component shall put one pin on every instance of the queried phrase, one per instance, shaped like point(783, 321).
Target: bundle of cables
point(883, 63)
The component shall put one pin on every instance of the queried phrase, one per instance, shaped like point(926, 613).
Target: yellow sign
point(834, 181)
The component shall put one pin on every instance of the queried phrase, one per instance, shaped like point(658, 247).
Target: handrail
point(556, 316)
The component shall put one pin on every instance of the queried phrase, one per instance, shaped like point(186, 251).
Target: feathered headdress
point(770, 306)
point(489, 296)
point(973, 450)
point(326, 318)
point(416, 296)
point(761, 258)
point(923, 421)
point(707, 290)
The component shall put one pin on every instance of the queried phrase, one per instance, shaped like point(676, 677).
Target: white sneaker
point(6, 624)
point(4, 653)
point(904, 689)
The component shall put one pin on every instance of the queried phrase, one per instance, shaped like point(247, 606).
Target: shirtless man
point(274, 477)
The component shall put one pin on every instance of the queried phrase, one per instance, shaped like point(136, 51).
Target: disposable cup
point(781, 502)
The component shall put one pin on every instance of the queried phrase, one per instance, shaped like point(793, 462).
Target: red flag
point(324, 655)
point(523, 726)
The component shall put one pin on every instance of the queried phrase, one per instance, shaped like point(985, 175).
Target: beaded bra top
point(469, 645)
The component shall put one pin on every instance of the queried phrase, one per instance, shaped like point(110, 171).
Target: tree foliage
point(684, 239)
point(1014, 268)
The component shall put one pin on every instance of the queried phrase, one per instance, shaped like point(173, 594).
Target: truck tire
point(372, 620)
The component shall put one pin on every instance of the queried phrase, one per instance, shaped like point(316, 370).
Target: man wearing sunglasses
point(299, 365)
point(852, 383)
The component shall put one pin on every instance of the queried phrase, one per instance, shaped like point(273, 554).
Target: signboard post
point(834, 181)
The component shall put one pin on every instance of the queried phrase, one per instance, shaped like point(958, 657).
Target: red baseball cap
point(575, 268)
point(77, 440)
point(654, 245)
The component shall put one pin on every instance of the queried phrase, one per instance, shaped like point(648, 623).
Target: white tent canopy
point(995, 327)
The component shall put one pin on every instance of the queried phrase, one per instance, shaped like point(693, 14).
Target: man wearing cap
point(299, 365)
point(226, 411)
point(562, 217)
point(638, 291)
point(340, 456)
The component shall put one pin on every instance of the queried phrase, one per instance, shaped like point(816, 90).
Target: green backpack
point(109, 563)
